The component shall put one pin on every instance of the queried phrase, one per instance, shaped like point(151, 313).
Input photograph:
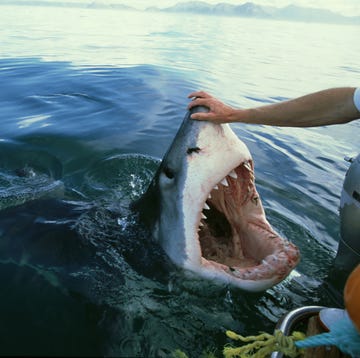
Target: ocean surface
point(89, 102)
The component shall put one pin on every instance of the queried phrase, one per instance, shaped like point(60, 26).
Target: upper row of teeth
point(224, 182)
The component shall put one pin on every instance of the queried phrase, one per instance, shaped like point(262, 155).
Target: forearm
point(332, 106)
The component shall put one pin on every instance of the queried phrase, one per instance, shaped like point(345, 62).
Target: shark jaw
point(237, 244)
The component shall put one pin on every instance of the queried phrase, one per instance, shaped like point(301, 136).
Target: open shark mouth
point(235, 236)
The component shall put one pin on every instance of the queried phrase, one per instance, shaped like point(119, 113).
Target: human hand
point(218, 111)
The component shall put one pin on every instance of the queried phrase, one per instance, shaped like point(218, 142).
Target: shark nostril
point(169, 173)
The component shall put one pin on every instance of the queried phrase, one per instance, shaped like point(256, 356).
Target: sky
point(344, 7)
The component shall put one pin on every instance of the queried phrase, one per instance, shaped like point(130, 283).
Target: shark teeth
point(247, 166)
point(233, 174)
point(224, 182)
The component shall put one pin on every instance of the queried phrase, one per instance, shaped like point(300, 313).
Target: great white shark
point(203, 208)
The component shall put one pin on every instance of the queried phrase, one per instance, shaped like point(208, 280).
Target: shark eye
point(169, 173)
point(192, 150)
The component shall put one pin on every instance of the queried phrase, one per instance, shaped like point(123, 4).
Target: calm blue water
point(90, 100)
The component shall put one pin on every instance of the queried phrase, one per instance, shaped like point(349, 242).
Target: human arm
point(331, 106)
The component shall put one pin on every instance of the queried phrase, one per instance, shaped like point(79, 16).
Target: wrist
point(237, 115)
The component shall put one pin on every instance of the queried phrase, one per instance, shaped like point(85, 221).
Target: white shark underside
point(203, 208)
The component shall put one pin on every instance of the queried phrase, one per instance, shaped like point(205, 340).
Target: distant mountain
point(106, 5)
point(298, 13)
point(191, 6)
point(249, 9)
point(201, 7)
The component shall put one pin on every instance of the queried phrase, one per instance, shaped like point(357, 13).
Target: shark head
point(204, 209)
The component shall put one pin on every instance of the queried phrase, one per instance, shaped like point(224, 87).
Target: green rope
point(263, 345)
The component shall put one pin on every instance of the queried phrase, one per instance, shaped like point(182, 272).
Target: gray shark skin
point(203, 208)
